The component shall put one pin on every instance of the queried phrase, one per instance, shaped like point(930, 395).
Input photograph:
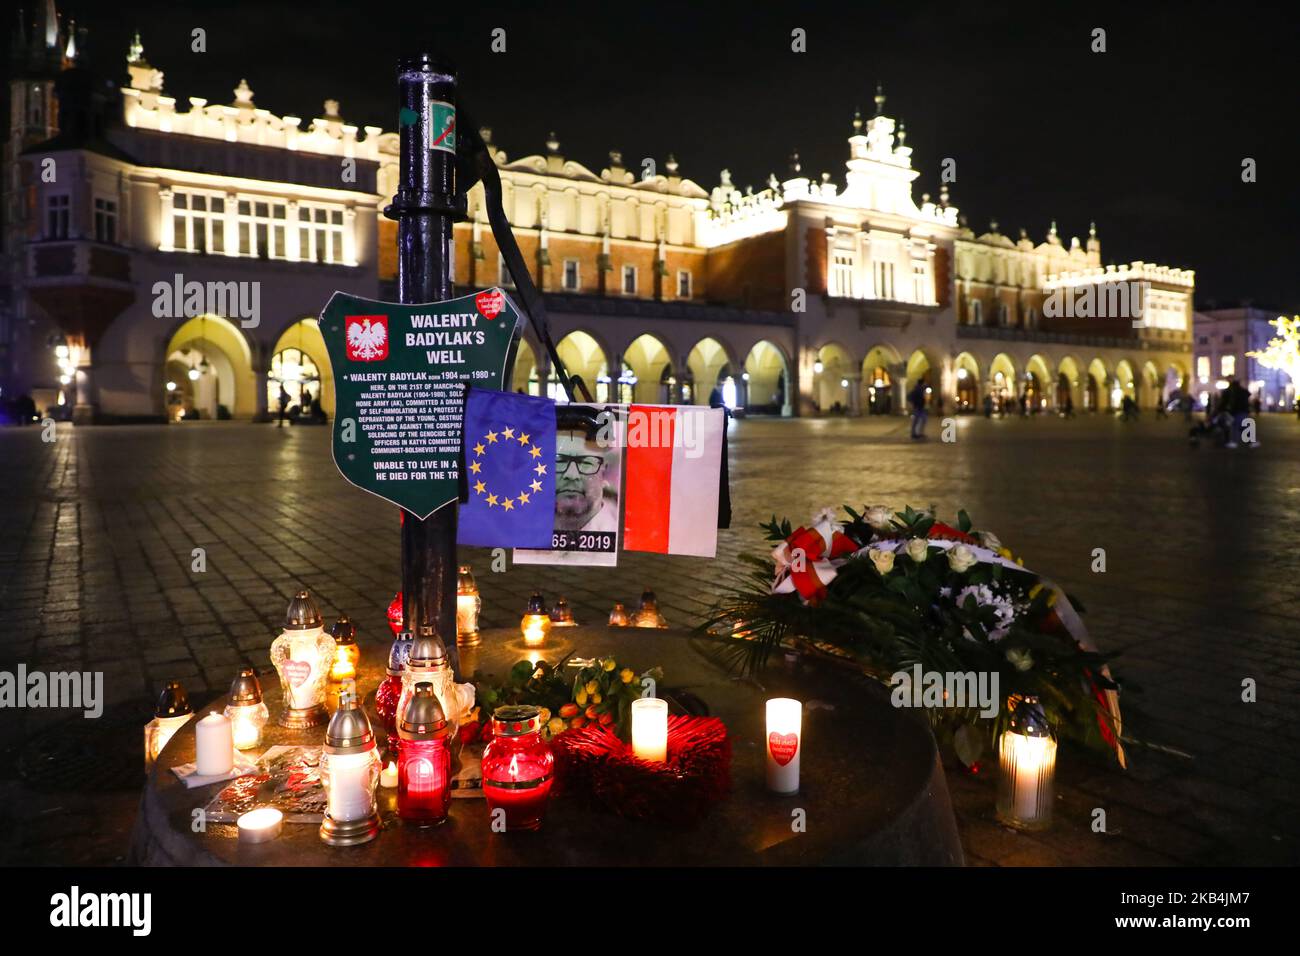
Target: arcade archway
point(300, 366)
point(1002, 383)
point(832, 380)
point(646, 372)
point(1097, 387)
point(1125, 383)
point(766, 378)
point(208, 372)
point(524, 377)
point(967, 374)
point(1037, 384)
point(707, 367)
point(1067, 385)
point(880, 374)
point(582, 355)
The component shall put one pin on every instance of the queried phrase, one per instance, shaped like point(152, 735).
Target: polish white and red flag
point(672, 464)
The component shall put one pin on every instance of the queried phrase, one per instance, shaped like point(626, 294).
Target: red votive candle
point(423, 761)
point(390, 690)
point(518, 767)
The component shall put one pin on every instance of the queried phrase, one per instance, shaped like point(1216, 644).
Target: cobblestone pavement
point(1201, 590)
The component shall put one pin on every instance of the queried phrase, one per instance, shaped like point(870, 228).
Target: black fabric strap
point(474, 164)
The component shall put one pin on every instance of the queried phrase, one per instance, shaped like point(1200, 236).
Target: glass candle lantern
point(562, 615)
point(428, 663)
point(247, 712)
point(349, 773)
point(347, 652)
point(424, 761)
point(650, 729)
point(170, 714)
point(303, 656)
point(395, 614)
point(647, 612)
point(1027, 762)
point(536, 623)
point(468, 604)
point(389, 693)
point(618, 616)
point(517, 768)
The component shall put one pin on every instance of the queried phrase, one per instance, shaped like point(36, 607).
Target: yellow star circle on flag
point(480, 488)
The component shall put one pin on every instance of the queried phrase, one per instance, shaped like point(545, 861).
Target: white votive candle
point(350, 795)
point(388, 778)
point(260, 825)
point(650, 728)
point(214, 746)
point(784, 744)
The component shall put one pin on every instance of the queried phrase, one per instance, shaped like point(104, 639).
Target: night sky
point(1147, 138)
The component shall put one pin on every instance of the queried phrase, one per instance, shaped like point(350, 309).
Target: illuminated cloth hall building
point(805, 297)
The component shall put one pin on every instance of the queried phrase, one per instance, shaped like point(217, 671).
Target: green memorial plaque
point(400, 373)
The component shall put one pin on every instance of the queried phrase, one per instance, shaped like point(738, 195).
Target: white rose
point(918, 549)
point(827, 516)
point(989, 540)
point(878, 517)
point(883, 560)
point(961, 558)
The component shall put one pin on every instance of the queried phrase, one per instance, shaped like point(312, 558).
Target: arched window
point(976, 312)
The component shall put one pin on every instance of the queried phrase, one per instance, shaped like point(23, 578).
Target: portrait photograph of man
point(588, 477)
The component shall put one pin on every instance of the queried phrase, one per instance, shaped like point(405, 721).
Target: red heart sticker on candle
point(490, 303)
point(297, 672)
point(783, 747)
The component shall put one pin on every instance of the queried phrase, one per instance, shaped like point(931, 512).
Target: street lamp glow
point(844, 383)
point(961, 374)
point(818, 367)
point(171, 386)
point(193, 373)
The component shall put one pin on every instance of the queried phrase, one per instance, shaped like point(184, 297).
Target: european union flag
point(509, 470)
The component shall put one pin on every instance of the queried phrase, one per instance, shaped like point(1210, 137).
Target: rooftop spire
point(880, 100)
point(135, 53)
point(857, 121)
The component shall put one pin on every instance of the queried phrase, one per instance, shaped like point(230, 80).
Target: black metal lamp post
point(424, 209)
